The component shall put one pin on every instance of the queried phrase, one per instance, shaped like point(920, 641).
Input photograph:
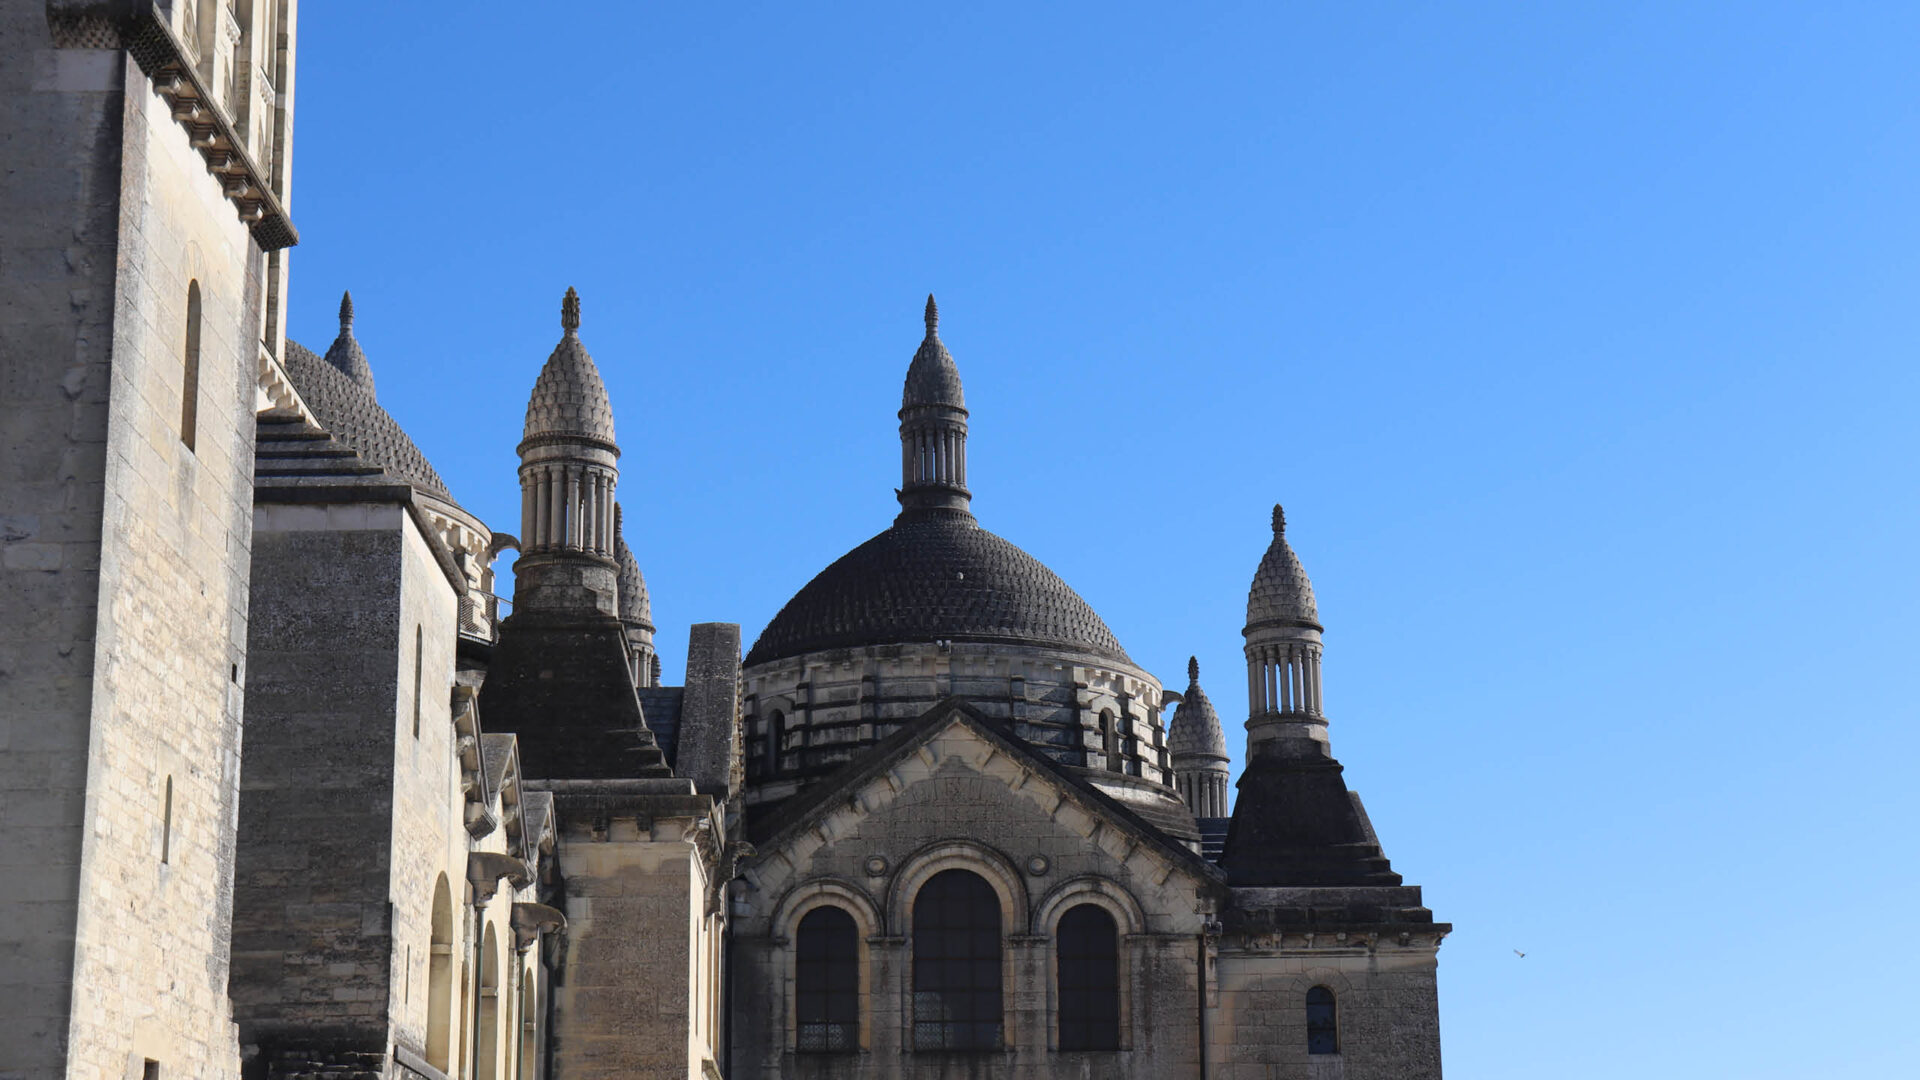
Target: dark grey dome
point(348, 412)
point(569, 401)
point(1281, 594)
point(935, 575)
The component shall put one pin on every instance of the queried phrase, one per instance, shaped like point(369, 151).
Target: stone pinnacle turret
point(567, 481)
point(1294, 822)
point(1199, 750)
point(933, 427)
point(345, 352)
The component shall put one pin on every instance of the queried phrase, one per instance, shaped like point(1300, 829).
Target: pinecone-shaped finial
point(346, 309)
point(1279, 521)
point(570, 311)
point(1193, 669)
point(933, 317)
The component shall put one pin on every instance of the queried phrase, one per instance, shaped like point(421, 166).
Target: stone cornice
point(140, 28)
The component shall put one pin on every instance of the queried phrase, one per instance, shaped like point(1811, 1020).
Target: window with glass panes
point(956, 964)
point(1088, 951)
point(827, 982)
point(1323, 1022)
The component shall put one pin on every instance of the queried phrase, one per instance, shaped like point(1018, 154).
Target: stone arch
point(784, 931)
point(1090, 889)
point(812, 893)
point(440, 977)
point(997, 869)
point(1129, 920)
point(487, 1058)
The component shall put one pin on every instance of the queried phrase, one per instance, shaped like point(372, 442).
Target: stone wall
point(131, 548)
point(961, 802)
point(833, 705)
point(429, 842)
point(312, 942)
point(1387, 1009)
point(60, 117)
point(635, 998)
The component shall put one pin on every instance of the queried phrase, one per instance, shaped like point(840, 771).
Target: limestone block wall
point(638, 996)
point(126, 548)
point(60, 117)
point(326, 701)
point(429, 842)
point(962, 804)
point(832, 705)
point(1387, 1008)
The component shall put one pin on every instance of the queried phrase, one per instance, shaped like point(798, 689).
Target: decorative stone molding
point(141, 28)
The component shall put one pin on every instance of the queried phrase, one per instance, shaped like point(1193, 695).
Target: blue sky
point(1578, 341)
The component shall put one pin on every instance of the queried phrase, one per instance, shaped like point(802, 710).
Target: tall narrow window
point(190, 369)
point(166, 823)
point(827, 982)
point(956, 964)
point(776, 734)
point(150, 1070)
point(1323, 1022)
point(1089, 952)
point(419, 638)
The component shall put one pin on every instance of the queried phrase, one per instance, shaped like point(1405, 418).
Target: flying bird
point(1519, 954)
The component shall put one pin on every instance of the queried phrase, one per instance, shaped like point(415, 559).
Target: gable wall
point(917, 819)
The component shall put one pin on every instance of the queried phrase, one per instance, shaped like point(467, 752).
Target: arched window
point(488, 1062)
point(956, 964)
point(1323, 1022)
point(190, 369)
point(1089, 958)
point(827, 982)
point(440, 977)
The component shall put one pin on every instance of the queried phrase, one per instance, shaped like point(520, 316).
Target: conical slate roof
point(1195, 729)
point(1281, 594)
point(935, 575)
point(569, 401)
point(933, 378)
point(635, 606)
point(345, 353)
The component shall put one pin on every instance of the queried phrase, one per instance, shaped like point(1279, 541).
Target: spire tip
point(1193, 669)
point(1279, 521)
point(933, 317)
point(346, 309)
point(570, 311)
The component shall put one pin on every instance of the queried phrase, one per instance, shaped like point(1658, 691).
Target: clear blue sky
point(1578, 340)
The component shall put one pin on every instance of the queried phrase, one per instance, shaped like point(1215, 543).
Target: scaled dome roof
point(569, 400)
point(1281, 593)
point(1196, 726)
point(935, 575)
point(933, 378)
point(635, 605)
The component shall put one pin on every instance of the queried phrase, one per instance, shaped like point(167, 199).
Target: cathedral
point(292, 791)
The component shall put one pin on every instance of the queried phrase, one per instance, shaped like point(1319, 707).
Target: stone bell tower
point(562, 675)
point(1295, 822)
